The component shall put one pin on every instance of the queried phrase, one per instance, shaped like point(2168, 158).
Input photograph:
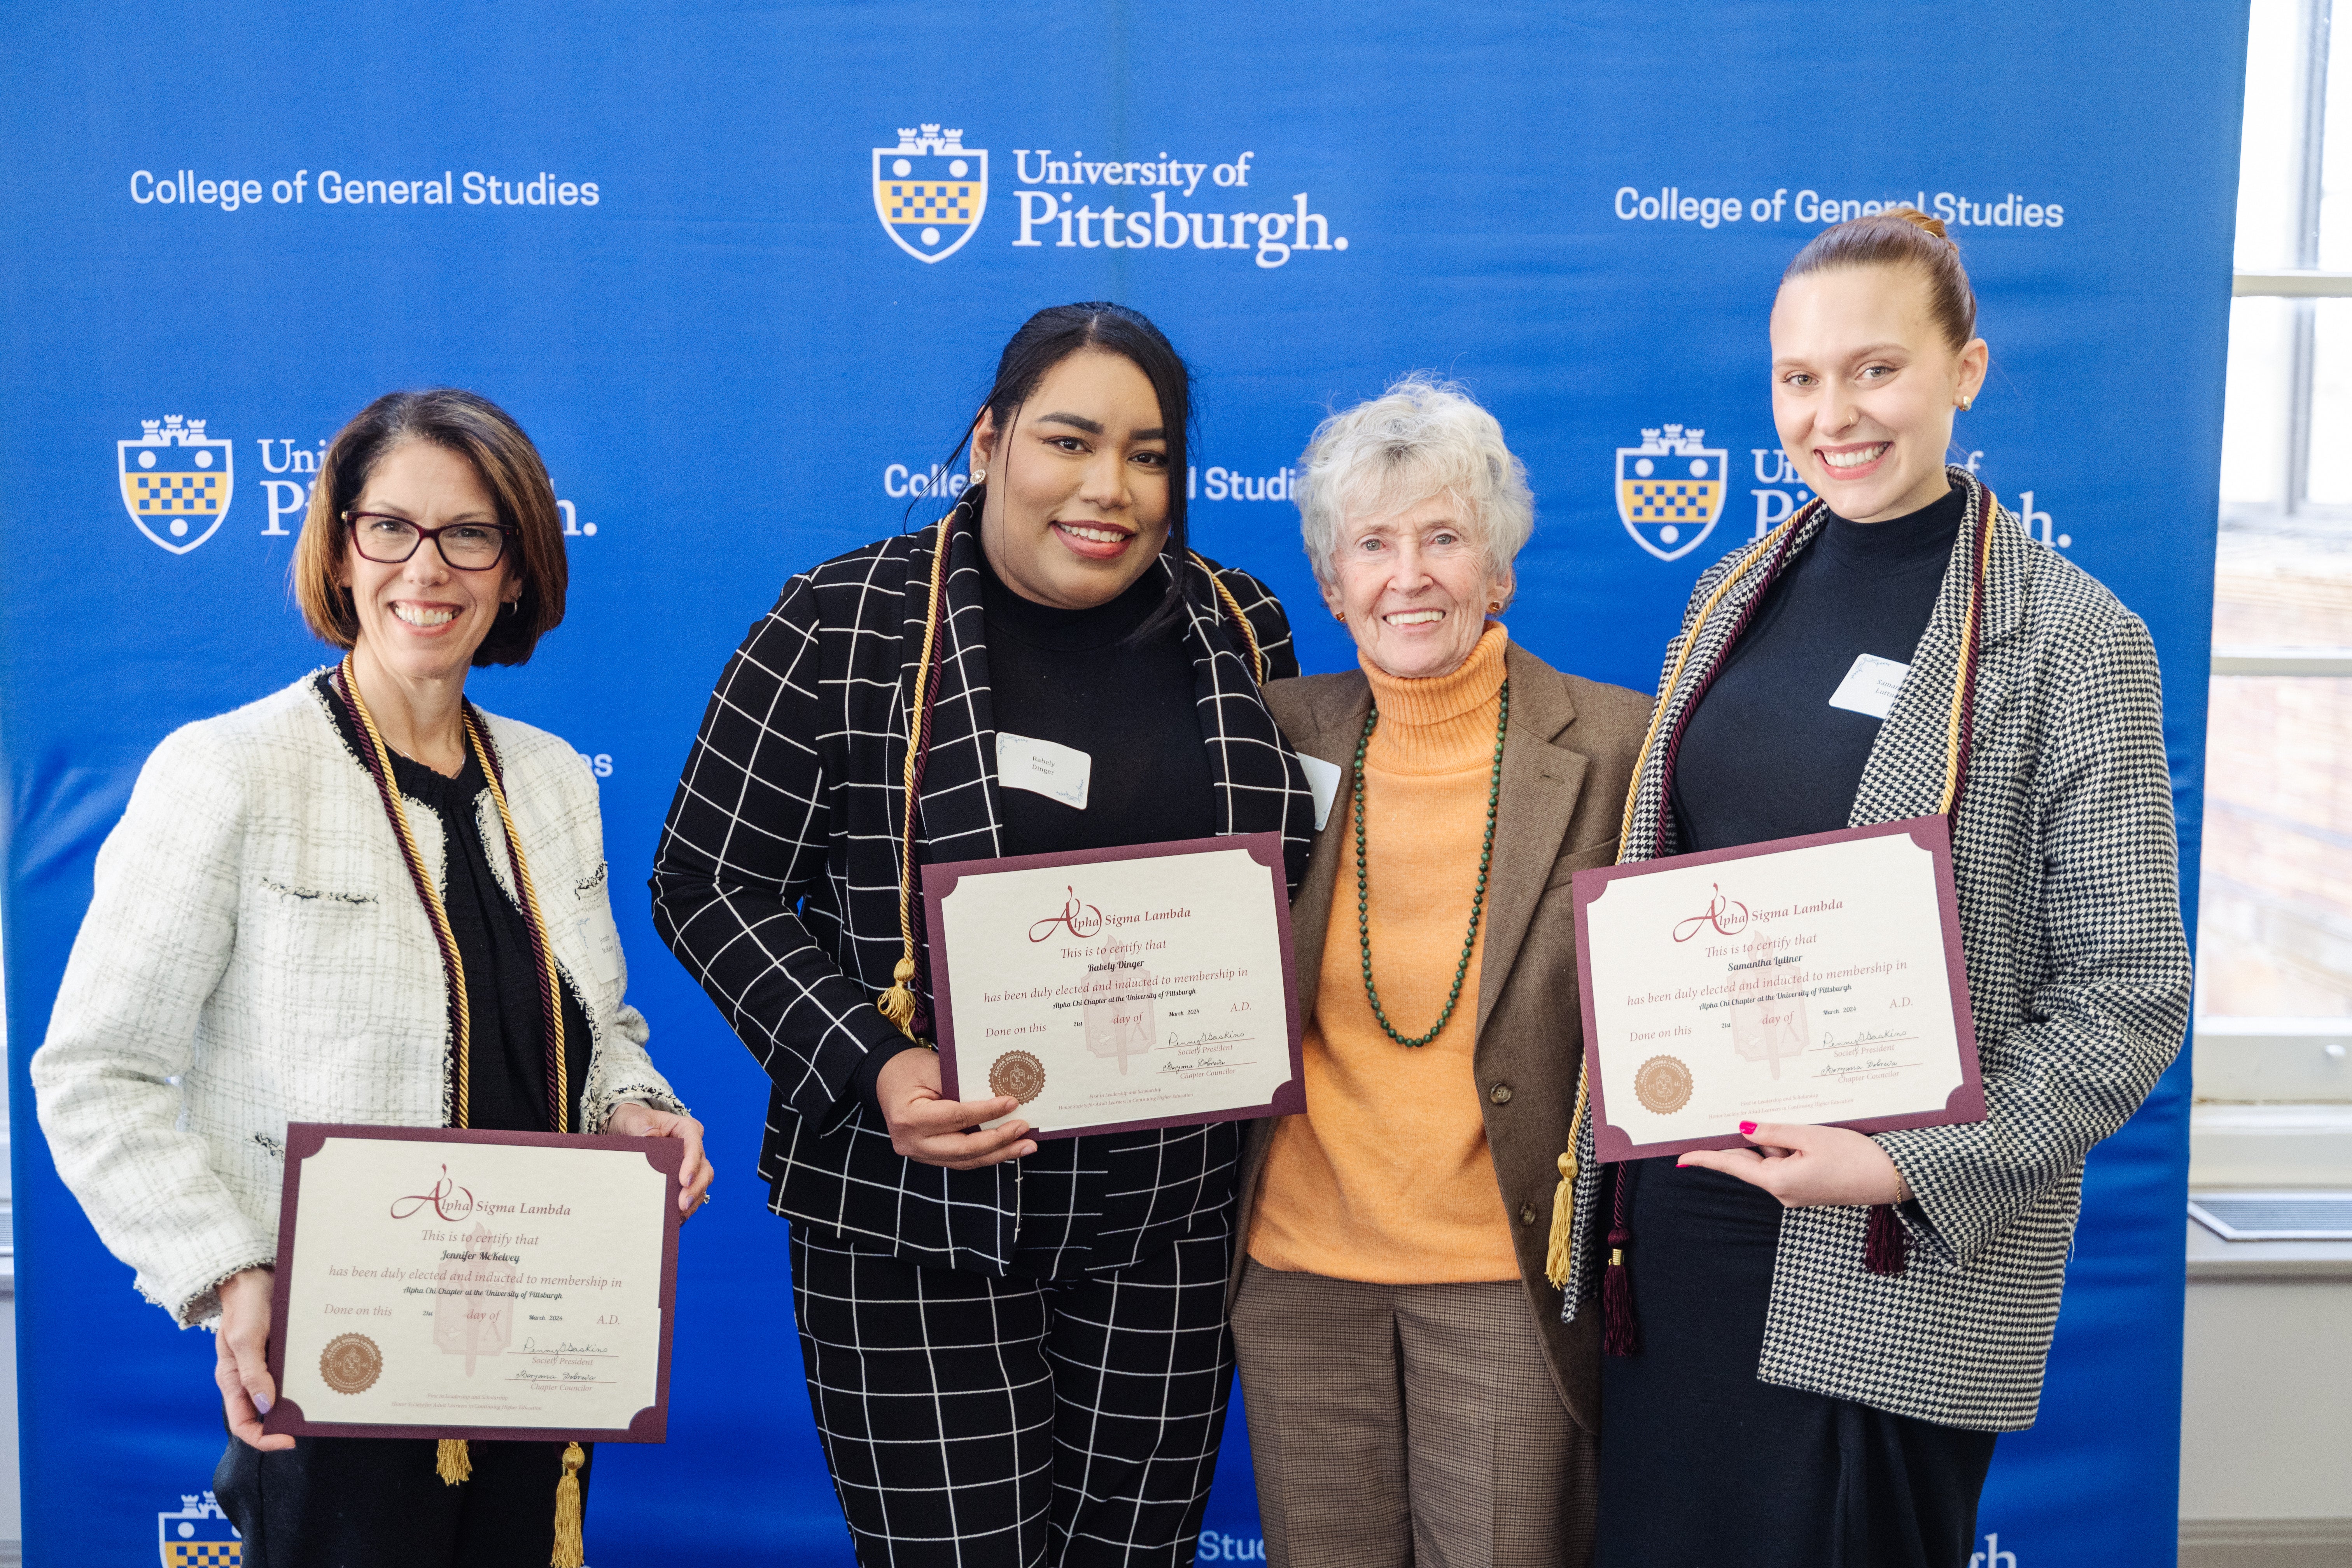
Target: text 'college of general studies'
point(429, 188)
point(1673, 204)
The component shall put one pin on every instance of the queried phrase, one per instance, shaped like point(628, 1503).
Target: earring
point(1495, 607)
point(1340, 616)
point(979, 475)
point(1964, 404)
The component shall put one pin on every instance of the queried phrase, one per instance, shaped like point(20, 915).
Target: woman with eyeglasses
point(262, 948)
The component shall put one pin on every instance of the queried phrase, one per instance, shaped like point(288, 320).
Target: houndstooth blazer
point(776, 882)
point(255, 954)
point(2078, 978)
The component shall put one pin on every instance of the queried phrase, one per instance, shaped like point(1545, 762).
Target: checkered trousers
point(1009, 1422)
point(2078, 970)
point(776, 883)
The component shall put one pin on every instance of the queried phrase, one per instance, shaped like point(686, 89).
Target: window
point(2274, 921)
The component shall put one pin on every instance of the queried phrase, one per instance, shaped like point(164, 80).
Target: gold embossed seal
point(1662, 1085)
point(350, 1363)
point(1018, 1074)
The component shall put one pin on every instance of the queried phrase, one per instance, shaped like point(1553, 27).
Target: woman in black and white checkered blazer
point(1017, 1350)
point(1827, 1330)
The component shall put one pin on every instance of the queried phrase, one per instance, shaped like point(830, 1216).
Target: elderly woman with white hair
point(1413, 1392)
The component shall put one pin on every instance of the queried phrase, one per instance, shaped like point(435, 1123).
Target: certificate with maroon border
point(1110, 990)
point(1815, 980)
point(438, 1283)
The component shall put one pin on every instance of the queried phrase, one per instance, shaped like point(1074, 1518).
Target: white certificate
point(436, 1283)
point(1815, 980)
point(1114, 989)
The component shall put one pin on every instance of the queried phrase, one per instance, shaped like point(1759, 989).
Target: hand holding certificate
point(1115, 989)
point(437, 1283)
point(1813, 980)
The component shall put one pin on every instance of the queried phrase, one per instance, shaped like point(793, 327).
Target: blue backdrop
point(654, 232)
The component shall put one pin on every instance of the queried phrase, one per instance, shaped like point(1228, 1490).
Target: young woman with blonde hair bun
point(1814, 1341)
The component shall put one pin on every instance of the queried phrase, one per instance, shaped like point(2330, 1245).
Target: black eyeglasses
point(389, 541)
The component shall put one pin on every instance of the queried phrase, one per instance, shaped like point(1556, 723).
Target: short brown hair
point(510, 467)
point(1900, 236)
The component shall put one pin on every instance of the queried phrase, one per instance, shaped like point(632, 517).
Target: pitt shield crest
point(929, 191)
point(1670, 491)
point(198, 1535)
point(176, 481)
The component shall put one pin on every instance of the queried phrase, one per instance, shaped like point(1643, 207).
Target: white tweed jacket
point(255, 954)
point(2078, 977)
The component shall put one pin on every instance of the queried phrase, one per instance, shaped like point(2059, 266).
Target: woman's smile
point(425, 619)
point(1854, 462)
point(1094, 541)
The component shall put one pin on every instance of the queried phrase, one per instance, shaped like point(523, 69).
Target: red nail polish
point(1747, 1130)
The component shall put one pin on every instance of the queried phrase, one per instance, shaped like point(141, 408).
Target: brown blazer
point(1566, 760)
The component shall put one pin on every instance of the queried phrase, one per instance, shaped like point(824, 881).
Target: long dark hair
point(1052, 335)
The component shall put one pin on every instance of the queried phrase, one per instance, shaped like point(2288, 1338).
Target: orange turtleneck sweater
point(1387, 1177)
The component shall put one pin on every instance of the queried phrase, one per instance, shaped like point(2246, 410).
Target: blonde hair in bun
point(1900, 236)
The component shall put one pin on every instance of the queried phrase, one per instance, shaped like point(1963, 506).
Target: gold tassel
point(1563, 1201)
point(1563, 1221)
point(453, 1463)
point(897, 1004)
point(570, 1551)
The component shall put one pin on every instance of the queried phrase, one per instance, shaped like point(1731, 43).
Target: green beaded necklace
point(1477, 900)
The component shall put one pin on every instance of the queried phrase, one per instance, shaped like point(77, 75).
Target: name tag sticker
point(1323, 778)
point(1042, 767)
point(1870, 686)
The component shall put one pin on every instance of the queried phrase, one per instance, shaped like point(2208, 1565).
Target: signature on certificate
point(1210, 1038)
point(1830, 1040)
point(531, 1346)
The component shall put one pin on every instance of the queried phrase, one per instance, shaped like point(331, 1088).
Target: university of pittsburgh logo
point(176, 481)
point(929, 191)
point(198, 1536)
point(1670, 491)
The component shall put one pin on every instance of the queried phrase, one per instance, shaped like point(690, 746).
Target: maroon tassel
point(1621, 1332)
point(1884, 1248)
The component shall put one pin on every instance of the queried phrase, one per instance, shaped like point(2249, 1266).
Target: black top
point(1073, 678)
point(507, 1083)
point(1764, 755)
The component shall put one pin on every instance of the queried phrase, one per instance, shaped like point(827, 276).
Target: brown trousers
point(1408, 1426)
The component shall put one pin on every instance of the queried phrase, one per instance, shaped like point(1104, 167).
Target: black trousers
point(378, 1503)
point(980, 1422)
point(1702, 1464)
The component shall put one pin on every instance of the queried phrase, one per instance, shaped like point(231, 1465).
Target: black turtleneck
point(1071, 678)
point(1764, 755)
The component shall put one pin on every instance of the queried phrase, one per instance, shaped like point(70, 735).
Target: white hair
point(1420, 438)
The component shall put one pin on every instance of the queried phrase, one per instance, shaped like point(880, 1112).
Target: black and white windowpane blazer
point(2078, 977)
point(776, 882)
